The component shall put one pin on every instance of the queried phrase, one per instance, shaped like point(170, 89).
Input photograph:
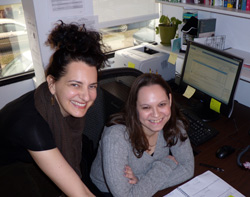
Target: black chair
point(112, 92)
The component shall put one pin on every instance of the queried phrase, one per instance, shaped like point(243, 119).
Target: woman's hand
point(173, 158)
point(130, 175)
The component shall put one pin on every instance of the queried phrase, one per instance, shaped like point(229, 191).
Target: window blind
point(118, 12)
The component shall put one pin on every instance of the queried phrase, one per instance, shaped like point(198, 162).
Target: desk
point(228, 135)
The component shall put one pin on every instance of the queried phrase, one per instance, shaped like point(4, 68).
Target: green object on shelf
point(167, 33)
point(167, 29)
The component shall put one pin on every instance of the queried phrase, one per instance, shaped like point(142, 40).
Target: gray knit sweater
point(154, 172)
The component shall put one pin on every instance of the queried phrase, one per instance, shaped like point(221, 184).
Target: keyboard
point(199, 132)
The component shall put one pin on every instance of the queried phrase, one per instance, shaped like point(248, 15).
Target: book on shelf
point(248, 5)
point(243, 4)
point(206, 185)
point(225, 3)
point(229, 3)
point(238, 4)
point(217, 3)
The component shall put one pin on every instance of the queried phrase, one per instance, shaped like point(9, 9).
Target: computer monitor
point(214, 75)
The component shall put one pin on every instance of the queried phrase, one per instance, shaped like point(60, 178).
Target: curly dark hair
point(129, 116)
point(73, 42)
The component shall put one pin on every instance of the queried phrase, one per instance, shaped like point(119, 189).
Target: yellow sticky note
point(215, 105)
point(172, 58)
point(189, 92)
point(230, 196)
point(131, 65)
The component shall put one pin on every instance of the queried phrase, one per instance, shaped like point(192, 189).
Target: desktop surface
point(233, 131)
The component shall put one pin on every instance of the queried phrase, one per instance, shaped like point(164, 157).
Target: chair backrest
point(112, 92)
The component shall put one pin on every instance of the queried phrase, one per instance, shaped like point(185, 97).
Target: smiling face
point(75, 92)
point(154, 108)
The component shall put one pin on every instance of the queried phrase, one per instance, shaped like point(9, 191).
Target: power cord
point(246, 164)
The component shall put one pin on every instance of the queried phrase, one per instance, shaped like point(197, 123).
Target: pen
point(213, 167)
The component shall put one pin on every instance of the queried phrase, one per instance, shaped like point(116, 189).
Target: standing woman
point(41, 132)
point(145, 148)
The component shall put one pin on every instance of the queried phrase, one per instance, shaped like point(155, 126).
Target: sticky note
point(215, 105)
point(230, 196)
point(131, 65)
point(172, 58)
point(189, 92)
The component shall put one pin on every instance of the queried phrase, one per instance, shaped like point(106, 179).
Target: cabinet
point(235, 24)
point(232, 23)
point(212, 9)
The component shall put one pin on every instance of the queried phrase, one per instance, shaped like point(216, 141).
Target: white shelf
point(214, 9)
point(245, 71)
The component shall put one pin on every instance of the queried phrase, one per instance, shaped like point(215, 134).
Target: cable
point(247, 163)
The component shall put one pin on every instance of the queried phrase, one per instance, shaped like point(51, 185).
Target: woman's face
point(154, 108)
point(75, 92)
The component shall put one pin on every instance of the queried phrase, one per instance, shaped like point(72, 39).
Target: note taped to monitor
point(215, 105)
point(189, 92)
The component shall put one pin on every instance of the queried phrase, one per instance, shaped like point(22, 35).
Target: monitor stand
point(202, 110)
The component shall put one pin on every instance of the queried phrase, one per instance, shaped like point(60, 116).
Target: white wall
point(236, 30)
point(13, 91)
point(171, 11)
point(242, 93)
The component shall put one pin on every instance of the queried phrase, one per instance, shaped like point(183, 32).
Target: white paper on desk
point(205, 185)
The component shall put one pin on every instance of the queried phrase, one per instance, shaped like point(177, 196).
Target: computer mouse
point(224, 151)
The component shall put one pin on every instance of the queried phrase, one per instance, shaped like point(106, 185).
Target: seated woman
point(145, 148)
point(41, 132)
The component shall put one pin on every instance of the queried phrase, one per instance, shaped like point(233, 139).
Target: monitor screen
point(213, 73)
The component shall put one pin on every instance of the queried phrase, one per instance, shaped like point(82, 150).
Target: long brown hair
point(129, 116)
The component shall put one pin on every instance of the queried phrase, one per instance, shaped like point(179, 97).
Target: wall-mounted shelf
point(213, 9)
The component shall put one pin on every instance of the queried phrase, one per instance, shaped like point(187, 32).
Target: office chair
point(112, 92)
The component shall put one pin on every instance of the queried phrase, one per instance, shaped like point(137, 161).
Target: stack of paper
point(205, 185)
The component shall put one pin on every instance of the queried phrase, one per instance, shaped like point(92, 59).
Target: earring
point(52, 99)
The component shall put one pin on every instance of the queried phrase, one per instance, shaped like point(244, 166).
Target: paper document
point(205, 185)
